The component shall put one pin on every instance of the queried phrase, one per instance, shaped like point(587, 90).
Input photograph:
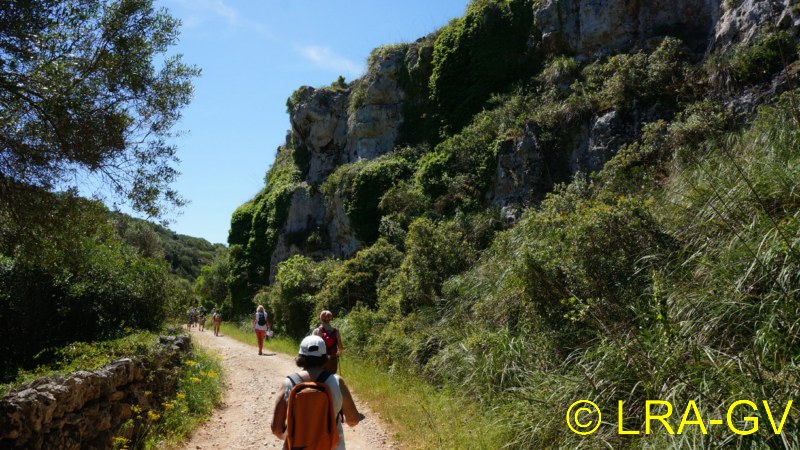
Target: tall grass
point(689, 292)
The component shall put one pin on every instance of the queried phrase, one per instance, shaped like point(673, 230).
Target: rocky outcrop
point(86, 409)
point(588, 26)
point(319, 130)
point(314, 227)
point(331, 128)
point(336, 126)
point(520, 173)
point(374, 125)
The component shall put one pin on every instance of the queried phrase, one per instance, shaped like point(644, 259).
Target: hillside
point(547, 201)
point(186, 255)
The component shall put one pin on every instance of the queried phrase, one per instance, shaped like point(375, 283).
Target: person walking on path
point(333, 341)
point(216, 316)
point(201, 318)
point(260, 326)
point(311, 359)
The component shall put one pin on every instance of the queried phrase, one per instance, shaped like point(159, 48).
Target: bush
point(627, 80)
point(357, 280)
point(434, 252)
point(107, 291)
point(477, 55)
point(754, 62)
point(290, 298)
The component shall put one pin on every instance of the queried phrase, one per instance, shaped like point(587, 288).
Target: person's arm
point(279, 415)
point(351, 415)
point(339, 342)
point(315, 332)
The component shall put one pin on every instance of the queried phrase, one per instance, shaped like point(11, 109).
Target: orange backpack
point(310, 418)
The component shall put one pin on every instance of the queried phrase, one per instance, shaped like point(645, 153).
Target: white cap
point(312, 346)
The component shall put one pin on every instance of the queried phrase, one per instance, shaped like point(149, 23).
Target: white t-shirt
point(266, 318)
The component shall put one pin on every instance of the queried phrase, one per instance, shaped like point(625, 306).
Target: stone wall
point(85, 410)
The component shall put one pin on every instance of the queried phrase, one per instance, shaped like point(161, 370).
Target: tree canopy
point(82, 101)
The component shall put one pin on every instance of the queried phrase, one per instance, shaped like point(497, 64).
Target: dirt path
point(242, 421)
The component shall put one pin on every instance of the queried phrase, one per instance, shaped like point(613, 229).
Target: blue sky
point(254, 54)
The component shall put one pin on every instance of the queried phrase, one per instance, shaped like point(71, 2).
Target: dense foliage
point(186, 254)
point(81, 95)
point(254, 231)
point(89, 286)
point(84, 105)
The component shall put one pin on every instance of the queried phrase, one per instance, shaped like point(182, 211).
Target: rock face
point(314, 227)
point(374, 125)
point(588, 26)
point(363, 121)
point(330, 132)
point(85, 409)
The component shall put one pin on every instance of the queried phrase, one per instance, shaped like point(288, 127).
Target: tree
point(81, 99)
point(211, 286)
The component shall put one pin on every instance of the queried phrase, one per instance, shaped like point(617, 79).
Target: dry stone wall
point(85, 410)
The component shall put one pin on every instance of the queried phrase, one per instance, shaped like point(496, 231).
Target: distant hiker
point(260, 326)
point(333, 341)
point(201, 318)
point(216, 316)
point(310, 404)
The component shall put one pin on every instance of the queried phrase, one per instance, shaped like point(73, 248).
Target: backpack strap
point(295, 379)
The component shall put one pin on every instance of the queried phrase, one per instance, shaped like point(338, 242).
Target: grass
point(418, 415)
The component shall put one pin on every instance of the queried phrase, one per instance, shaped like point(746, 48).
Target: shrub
point(434, 252)
point(755, 62)
point(362, 184)
point(357, 280)
point(476, 55)
point(627, 80)
point(290, 298)
point(457, 173)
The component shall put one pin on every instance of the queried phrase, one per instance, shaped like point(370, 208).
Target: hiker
point(216, 315)
point(201, 318)
point(294, 426)
point(333, 341)
point(260, 326)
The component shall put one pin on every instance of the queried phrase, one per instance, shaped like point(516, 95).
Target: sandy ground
point(243, 419)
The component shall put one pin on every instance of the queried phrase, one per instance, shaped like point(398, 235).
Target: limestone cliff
point(369, 117)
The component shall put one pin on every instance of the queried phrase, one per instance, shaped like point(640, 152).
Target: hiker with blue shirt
point(260, 326)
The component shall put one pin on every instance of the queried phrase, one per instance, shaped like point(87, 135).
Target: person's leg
point(260, 336)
